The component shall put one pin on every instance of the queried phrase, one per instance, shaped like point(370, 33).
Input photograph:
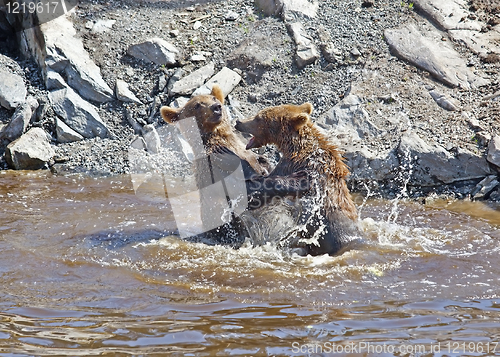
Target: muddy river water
point(88, 268)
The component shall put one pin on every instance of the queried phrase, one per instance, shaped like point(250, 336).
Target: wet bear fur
point(328, 218)
point(225, 151)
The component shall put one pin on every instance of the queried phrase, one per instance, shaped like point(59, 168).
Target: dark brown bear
point(328, 218)
point(218, 155)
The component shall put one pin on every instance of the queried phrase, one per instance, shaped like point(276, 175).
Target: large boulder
point(449, 15)
point(366, 165)
point(124, 94)
point(65, 54)
point(431, 54)
point(494, 151)
point(433, 165)
point(31, 151)
point(65, 134)
point(289, 9)
point(350, 118)
point(78, 114)
point(155, 50)
point(226, 79)
point(12, 89)
point(306, 52)
point(20, 120)
point(187, 85)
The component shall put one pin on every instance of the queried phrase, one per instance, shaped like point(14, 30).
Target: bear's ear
point(217, 93)
point(299, 120)
point(168, 114)
point(306, 108)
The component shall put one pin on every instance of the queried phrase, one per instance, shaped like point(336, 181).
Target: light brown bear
point(221, 154)
point(216, 131)
point(328, 219)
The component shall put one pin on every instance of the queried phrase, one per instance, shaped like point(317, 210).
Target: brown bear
point(328, 218)
point(217, 157)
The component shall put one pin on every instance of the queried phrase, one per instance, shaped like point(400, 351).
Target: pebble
point(196, 25)
point(231, 16)
point(197, 58)
point(355, 52)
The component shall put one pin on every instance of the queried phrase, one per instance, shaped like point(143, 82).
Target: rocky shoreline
point(410, 91)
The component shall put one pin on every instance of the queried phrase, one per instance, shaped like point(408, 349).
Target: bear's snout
point(216, 108)
point(243, 127)
point(238, 125)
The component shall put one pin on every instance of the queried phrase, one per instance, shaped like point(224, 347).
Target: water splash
point(404, 175)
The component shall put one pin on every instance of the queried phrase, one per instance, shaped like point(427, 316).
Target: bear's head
point(206, 109)
point(274, 124)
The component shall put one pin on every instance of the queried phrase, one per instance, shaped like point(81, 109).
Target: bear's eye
point(197, 106)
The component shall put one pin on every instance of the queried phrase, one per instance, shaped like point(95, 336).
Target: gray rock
point(64, 53)
point(151, 139)
point(231, 16)
point(444, 101)
point(155, 50)
point(197, 25)
point(331, 53)
point(130, 72)
point(179, 102)
point(495, 195)
point(232, 110)
point(153, 110)
point(483, 138)
point(12, 89)
point(306, 52)
point(162, 82)
point(270, 7)
point(20, 120)
point(101, 26)
point(124, 94)
point(65, 134)
point(226, 79)
point(472, 121)
point(328, 49)
point(255, 54)
point(178, 74)
point(203, 53)
point(349, 117)
point(55, 81)
point(138, 143)
point(494, 151)
point(366, 165)
point(197, 58)
point(31, 151)
point(433, 165)
point(132, 121)
point(187, 85)
point(485, 187)
point(450, 15)
point(295, 9)
point(288, 9)
point(355, 52)
point(77, 113)
point(479, 42)
point(350, 125)
point(438, 58)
